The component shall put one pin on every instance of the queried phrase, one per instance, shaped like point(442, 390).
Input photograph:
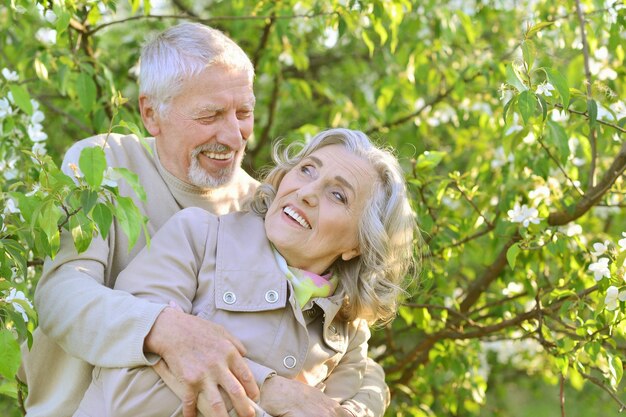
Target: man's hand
point(282, 397)
point(203, 356)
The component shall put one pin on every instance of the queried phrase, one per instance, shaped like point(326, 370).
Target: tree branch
point(208, 21)
point(594, 194)
point(592, 130)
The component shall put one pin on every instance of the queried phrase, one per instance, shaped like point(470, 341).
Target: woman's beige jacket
point(223, 269)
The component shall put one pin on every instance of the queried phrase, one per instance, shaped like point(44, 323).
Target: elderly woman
point(297, 279)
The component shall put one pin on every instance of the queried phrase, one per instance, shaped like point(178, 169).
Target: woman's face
point(319, 203)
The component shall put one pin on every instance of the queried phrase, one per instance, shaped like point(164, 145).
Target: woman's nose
point(308, 194)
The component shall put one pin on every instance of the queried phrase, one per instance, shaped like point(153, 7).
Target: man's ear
point(352, 253)
point(149, 115)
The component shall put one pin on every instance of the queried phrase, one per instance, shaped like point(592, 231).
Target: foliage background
point(508, 117)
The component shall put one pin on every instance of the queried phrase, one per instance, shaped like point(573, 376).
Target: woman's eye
point(339, 197)
point(306, 169)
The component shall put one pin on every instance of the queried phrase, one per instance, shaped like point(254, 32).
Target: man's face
point(201, 137)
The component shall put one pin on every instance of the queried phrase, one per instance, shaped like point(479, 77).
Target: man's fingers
point(189, 403)
point(211, 402)
point(238, 397)
point(245, 377)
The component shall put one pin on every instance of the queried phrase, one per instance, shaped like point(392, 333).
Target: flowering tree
point(508, 117)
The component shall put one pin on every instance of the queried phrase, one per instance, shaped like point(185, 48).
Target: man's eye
point(241, 115)
point(206, 119)
point(306, 169)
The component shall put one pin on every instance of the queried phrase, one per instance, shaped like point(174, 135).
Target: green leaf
point(92, 163)
point(544, 108)
point(129, 218)
point(592, 109)
point(560, 83)
point(48, 219)
point(512, 78)
point(527, 103)
point(63, 18)
point(468, 27)
point(558, 137)
point(86, 91)
point(10, 358)
point(133, 181)
point(511, 255)
point(617, 370)
point(103, 216)
point(536, 28)
point(82, 231)
point(137, 132)
point(368, 42)
point(21, 98)
point(528, 52)
point(429, 160)
point(88, 199)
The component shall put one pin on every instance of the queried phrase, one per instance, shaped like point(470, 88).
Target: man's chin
point(202, 179)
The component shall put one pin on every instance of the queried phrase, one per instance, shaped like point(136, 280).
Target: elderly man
point(197, 100)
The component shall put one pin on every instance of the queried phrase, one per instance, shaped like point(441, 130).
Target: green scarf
point(306, 285)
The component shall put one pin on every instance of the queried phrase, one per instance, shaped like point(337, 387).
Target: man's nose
point(229, 133)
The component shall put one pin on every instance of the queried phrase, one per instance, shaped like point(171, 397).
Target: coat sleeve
point(79, 312)
point(165, 272)
point(358, 382)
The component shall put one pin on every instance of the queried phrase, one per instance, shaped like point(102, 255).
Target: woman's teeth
point(292, 213)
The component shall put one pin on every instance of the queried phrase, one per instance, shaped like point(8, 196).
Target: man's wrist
point(153, 343)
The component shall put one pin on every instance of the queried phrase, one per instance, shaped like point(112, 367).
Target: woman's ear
point(149, 115)
point(352, 253)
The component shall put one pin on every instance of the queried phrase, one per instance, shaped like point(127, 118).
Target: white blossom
point(111, 176)
point(39, 149)
point(5, 108)
point(18, 295)
point(10, 75)
point(600, 248)
point(523, 214)
point(622, 242)
point(285, 58)
point(600, 269)
point(539, 194)
point(36, 133)
point(559, 115)
point(500, 158)
point(612, 296)
point(530, 138)
point(46, 36)
point(571, 229)
point(37, 117)
point(50, 16)
point(512, 289)
point(545, 88)
point(10, 207)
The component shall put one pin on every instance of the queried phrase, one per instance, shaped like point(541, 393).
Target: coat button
point(229, 297)
point(271, 296)
point(310, 313)
point(289, 362)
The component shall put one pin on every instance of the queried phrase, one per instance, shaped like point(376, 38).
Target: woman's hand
point(203, 356)
point(289, 398)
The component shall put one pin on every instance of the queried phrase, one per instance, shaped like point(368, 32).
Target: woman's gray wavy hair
point(372, 282)
point(182, 52)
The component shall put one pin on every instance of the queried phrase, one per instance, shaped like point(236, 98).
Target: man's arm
point(169, 270)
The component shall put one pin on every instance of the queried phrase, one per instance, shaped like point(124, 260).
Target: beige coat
point(83, 322)
point(223, 269)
